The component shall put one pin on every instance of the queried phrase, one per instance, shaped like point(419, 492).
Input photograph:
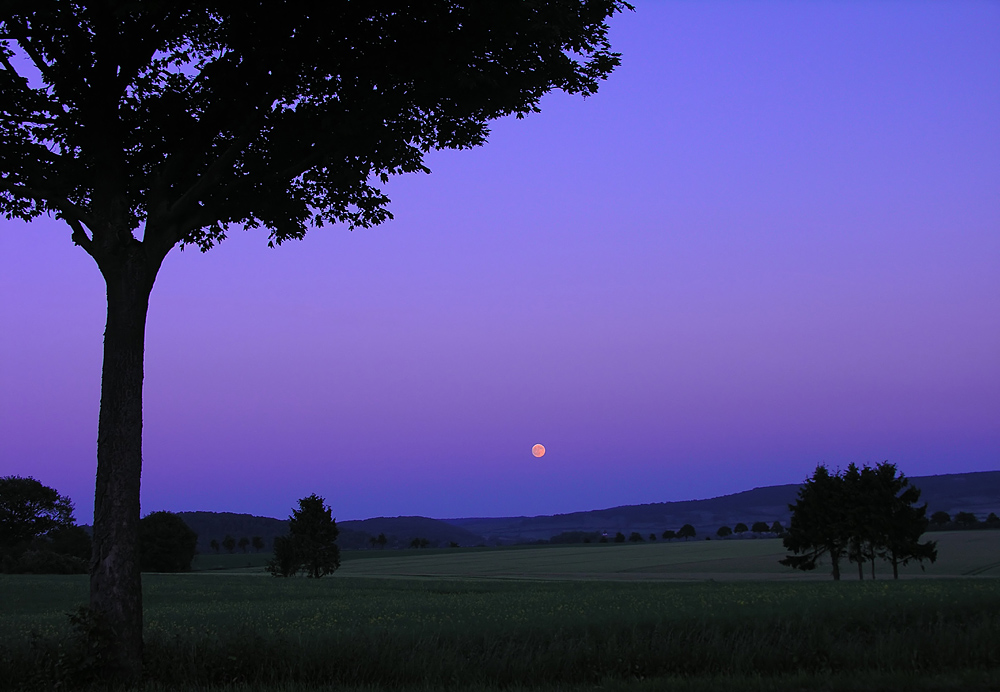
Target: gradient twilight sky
point(771, 240)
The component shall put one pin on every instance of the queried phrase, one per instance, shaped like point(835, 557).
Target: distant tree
point(258, 543)
point(229, 543)
point(687, 531)
point(777, 528)
point(381, 540)
point(652, 537)
point(29, 510)
point(966, 519)
point(895, 523)
point(992, 520)
point(619, 537)
point(724, 531)
point(602, 539)
point(863, 513)
point(243, 543)
point(419, 543)
point(286, 561)
point(214, 545)
point(70, 540)
point(635, 537)
point(669, 535)
point(760, 527)
point(819, 525)
point(166, 543)
point(311, 543)
point(940, 518)
point(740, 528)
point(452, 544)
point(373, 541)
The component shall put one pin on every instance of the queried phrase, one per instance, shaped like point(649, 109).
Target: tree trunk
point(895, 566)
point(835, 559)
point(115, 581)
point(873, 568)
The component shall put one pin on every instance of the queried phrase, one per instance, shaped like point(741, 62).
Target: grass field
point(489, 629)
point(961, 553)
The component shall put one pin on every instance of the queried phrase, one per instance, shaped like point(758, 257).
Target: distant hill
point(971, 492)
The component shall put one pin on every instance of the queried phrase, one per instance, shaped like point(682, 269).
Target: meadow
point(524, 627)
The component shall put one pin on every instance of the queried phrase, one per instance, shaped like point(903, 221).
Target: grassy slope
point(960, 553)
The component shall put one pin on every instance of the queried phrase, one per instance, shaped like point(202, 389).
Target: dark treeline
point(863, 514)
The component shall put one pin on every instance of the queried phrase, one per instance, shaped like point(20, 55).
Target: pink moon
point(538, 450)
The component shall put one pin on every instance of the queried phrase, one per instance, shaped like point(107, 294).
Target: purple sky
point(772, 240)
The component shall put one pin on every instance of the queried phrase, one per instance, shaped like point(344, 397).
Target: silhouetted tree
point(652, 537)
point(777, 528)
point(966, 519)
point(258, 543)
point(992, 520)
point(29, 510)
point(686, 531)
point(724, 531)
point(940, 518)
point(214, 545)
point(381, 540)
point(243, 543)
point(229, 543)
point(176, 121)
point(894, 524)
point(740, 529)
point(669, 535)
point(760, 527)
point(619, 537)
point(635, 537)
point(419, 543)
point(311, 543)
point(865, 513)
point(819, 525)
point(452, 544)
point(166, 543)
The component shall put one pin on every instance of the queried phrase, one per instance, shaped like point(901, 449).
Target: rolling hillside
point(970, 492)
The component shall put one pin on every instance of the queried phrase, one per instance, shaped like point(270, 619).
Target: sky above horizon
point(771, 240)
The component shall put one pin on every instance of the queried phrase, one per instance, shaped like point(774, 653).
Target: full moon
point(538, 450)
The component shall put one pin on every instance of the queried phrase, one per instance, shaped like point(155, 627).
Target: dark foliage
point(687, 531)
point(619, 537)
point(29, 510)
point(724, 531)
point(669, 535)
point(966, 519)
point(940, 518)
point(166, 543)
point(740, 528)
point(311, 543)
point(862, 514)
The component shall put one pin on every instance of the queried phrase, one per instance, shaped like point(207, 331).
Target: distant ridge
point(977, 492)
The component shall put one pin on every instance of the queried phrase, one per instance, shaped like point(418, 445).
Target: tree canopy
point(311, 543)
point(861, 513)
point(29, 510)
point(166, 543)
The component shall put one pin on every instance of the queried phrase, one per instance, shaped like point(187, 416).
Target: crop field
point(489, 629)
point(960, 553)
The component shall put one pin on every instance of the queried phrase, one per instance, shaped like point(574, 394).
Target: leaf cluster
point(188, 117)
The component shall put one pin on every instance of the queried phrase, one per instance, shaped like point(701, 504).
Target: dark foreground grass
point(257, 633)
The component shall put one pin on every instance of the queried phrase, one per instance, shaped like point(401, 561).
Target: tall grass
point(213, 631)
